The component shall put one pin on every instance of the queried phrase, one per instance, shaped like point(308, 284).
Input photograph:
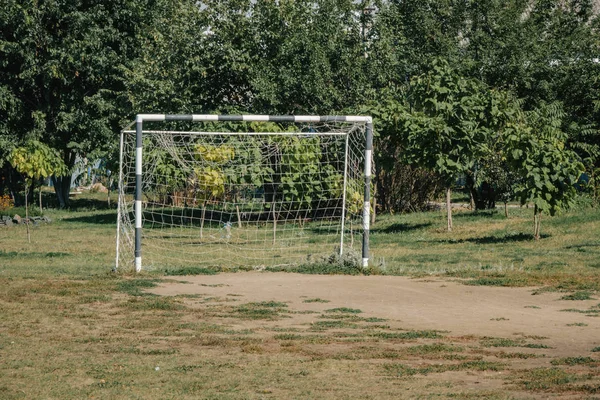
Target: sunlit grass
point(72, 328)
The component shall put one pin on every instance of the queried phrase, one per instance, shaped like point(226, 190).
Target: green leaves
point(443, 130)
point(549, 171)
point(36, 160)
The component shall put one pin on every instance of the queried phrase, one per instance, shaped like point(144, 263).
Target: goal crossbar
point(139, 131)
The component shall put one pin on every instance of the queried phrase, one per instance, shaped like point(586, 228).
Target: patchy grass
point(545, 379)
point(401, 370)
point(574, 361)
point(73, 329)
point(267, 310)
point(580, 295)
point(409, 335)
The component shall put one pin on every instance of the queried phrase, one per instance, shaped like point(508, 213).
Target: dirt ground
point(419, 304)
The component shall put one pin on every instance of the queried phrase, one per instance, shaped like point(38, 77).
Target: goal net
point(243, 191)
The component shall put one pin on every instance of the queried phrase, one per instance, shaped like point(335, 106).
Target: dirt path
point(415, 304)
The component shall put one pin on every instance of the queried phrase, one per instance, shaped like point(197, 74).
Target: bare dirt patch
point(419, 304)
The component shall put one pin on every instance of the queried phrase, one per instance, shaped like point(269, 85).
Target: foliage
point(307, 56)
point(549, 171)
point(442, 128)
point(72, 72)
point(36, 160)
point(209, 179)
point(6, 202)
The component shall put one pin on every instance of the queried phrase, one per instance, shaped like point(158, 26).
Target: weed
point(433, 349)
point(510, 355)
point(317, 300)
point(153, 303)
point(332, 324)
point(375, 319)
point(288, 336)
point(268, 310)
point(580, 295)
point(591, 312)
point(344, 310)
point(189, 271)
point(573, 361)
point(133, 287)
point(403, 370)
point(536, 346)
point(410, 335)
point(544, 378)
point(500, 342)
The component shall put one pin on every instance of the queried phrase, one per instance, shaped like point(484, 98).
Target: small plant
point(317, 300)
point(580, 295)
point(545, 378)
point(573, 361)
point(6, 202)
point(345, 310)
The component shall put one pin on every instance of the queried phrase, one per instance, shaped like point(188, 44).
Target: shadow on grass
point(108, 217)
point(583, 246)
point(89, 204)
point(478, 214)
point(401, 227)
point(514, 237)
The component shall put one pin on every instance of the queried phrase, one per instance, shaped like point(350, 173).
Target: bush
point(6, 203)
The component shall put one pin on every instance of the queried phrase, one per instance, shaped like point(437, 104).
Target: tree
point(548, 170)
point(63, 71)
point(442, 128)
point(36, 160)
point(308, 56)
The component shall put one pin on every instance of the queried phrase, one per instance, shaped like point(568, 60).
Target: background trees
point(72, 72)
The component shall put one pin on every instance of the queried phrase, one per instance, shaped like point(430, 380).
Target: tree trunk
point(110, 183)
point(202, 217)
point(274, 223)
point(62, 187)
point(449, 208)
point(27, 212)
point(537, 219)
point(506, 209)
point(41, 209)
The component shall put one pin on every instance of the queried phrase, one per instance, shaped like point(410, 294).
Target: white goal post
point(244, 190)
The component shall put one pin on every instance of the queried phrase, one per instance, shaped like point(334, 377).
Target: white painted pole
point(344, 195)
point(120, 200)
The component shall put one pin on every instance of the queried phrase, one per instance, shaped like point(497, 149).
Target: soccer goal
point(244, 191)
